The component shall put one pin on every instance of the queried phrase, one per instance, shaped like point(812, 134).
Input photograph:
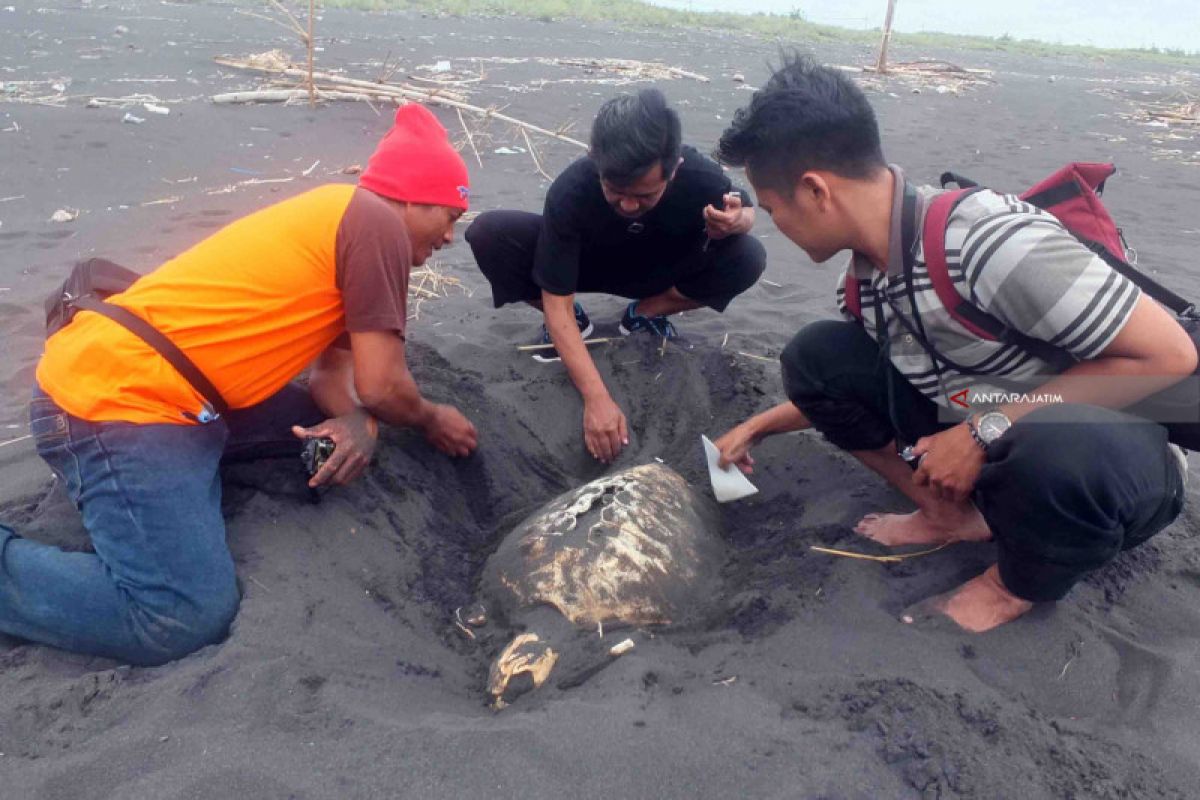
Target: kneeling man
point(319, 279)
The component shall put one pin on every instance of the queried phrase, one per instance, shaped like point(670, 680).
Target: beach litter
point(942, 77)
point(727, 484)
point(65, 215)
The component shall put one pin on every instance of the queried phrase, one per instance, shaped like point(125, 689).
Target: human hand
point(734, 447)
point(720, 223)
point(354, 436)
point(949, 463)
point(604, 430)
point(449, 431)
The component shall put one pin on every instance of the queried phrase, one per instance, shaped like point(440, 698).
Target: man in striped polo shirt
point(1057, 476)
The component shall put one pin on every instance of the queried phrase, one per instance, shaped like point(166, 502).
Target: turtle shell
point(638, 547)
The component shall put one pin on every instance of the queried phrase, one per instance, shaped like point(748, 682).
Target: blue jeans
point(161, 582)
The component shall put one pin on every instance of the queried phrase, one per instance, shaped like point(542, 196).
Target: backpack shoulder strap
point(852, 295)
point(165, 347)
point(933, 238)
point(966, 313)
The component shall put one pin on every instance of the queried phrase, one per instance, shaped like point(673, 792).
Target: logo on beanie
point(464, 192)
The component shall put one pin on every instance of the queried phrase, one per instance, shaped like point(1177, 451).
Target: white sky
point(1104, 23)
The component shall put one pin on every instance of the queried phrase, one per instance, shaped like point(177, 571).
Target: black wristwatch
point(987, 428)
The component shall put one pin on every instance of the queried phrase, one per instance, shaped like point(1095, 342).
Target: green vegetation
point(790, 27)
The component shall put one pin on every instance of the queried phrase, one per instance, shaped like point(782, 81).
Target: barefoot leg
point(979, 605)
point(935, 521)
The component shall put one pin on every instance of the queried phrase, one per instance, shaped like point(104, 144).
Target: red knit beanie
point(416, 163)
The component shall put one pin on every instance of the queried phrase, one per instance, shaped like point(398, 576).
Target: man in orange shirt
point(321, 280)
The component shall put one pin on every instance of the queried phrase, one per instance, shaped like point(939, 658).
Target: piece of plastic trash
point(64, 215)
point(441, 66)
point(509, 151)
point(153, 109)
point(131, 119)
point(727, 484)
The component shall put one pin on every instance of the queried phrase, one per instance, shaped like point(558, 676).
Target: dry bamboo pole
point(326, 77)
point(312, 89)
point(411, 94)
point(285, 95)
point(367, 88)
point(525, 348)
point(881, 64)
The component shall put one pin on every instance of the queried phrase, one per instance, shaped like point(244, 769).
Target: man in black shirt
point(641, 217)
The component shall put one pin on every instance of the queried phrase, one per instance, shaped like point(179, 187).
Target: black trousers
point(504, 243)
point(1064, 491)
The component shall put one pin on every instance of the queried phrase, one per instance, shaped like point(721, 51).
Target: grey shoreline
point(344, 675)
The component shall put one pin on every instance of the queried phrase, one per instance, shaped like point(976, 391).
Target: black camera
point(317, 450)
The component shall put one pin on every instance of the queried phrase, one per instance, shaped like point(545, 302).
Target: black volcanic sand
point(344, 677)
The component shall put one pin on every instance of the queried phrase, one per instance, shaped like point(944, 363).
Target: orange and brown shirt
point(252, 305)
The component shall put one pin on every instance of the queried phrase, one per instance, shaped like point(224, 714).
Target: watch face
point(992, 426)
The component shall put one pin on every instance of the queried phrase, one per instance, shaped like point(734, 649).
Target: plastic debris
point(621, 648)
point(132, 120)
point(65, 215)
point(153, 109)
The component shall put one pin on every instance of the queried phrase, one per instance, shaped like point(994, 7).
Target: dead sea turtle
point(634, 549)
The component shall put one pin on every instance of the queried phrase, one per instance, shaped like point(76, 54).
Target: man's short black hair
point(632, 133)
point(807, 117)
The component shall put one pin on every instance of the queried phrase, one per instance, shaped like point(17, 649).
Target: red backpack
point(1073, 196)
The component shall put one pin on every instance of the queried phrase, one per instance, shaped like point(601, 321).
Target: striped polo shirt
point(1008, 258)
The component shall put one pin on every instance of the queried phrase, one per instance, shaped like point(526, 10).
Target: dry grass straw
point(893, 558)
point(942, 76)
point(430, 282)
point(1182, 109)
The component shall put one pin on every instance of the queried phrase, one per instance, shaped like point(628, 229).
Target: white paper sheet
point(728, 484)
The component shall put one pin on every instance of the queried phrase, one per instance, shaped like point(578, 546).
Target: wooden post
point(312, 87)
point(881, 65)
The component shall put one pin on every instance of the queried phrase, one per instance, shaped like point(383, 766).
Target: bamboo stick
point(409, 93)
point(470, 138)
point(526, 347)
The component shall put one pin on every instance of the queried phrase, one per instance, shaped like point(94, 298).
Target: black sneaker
point(660, 326)
point(548, 354)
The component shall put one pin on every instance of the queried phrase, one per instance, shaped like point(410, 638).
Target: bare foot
point(979, 605)
point(939, 525)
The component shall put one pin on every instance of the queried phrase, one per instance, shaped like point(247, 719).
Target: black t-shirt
point(581, 231)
